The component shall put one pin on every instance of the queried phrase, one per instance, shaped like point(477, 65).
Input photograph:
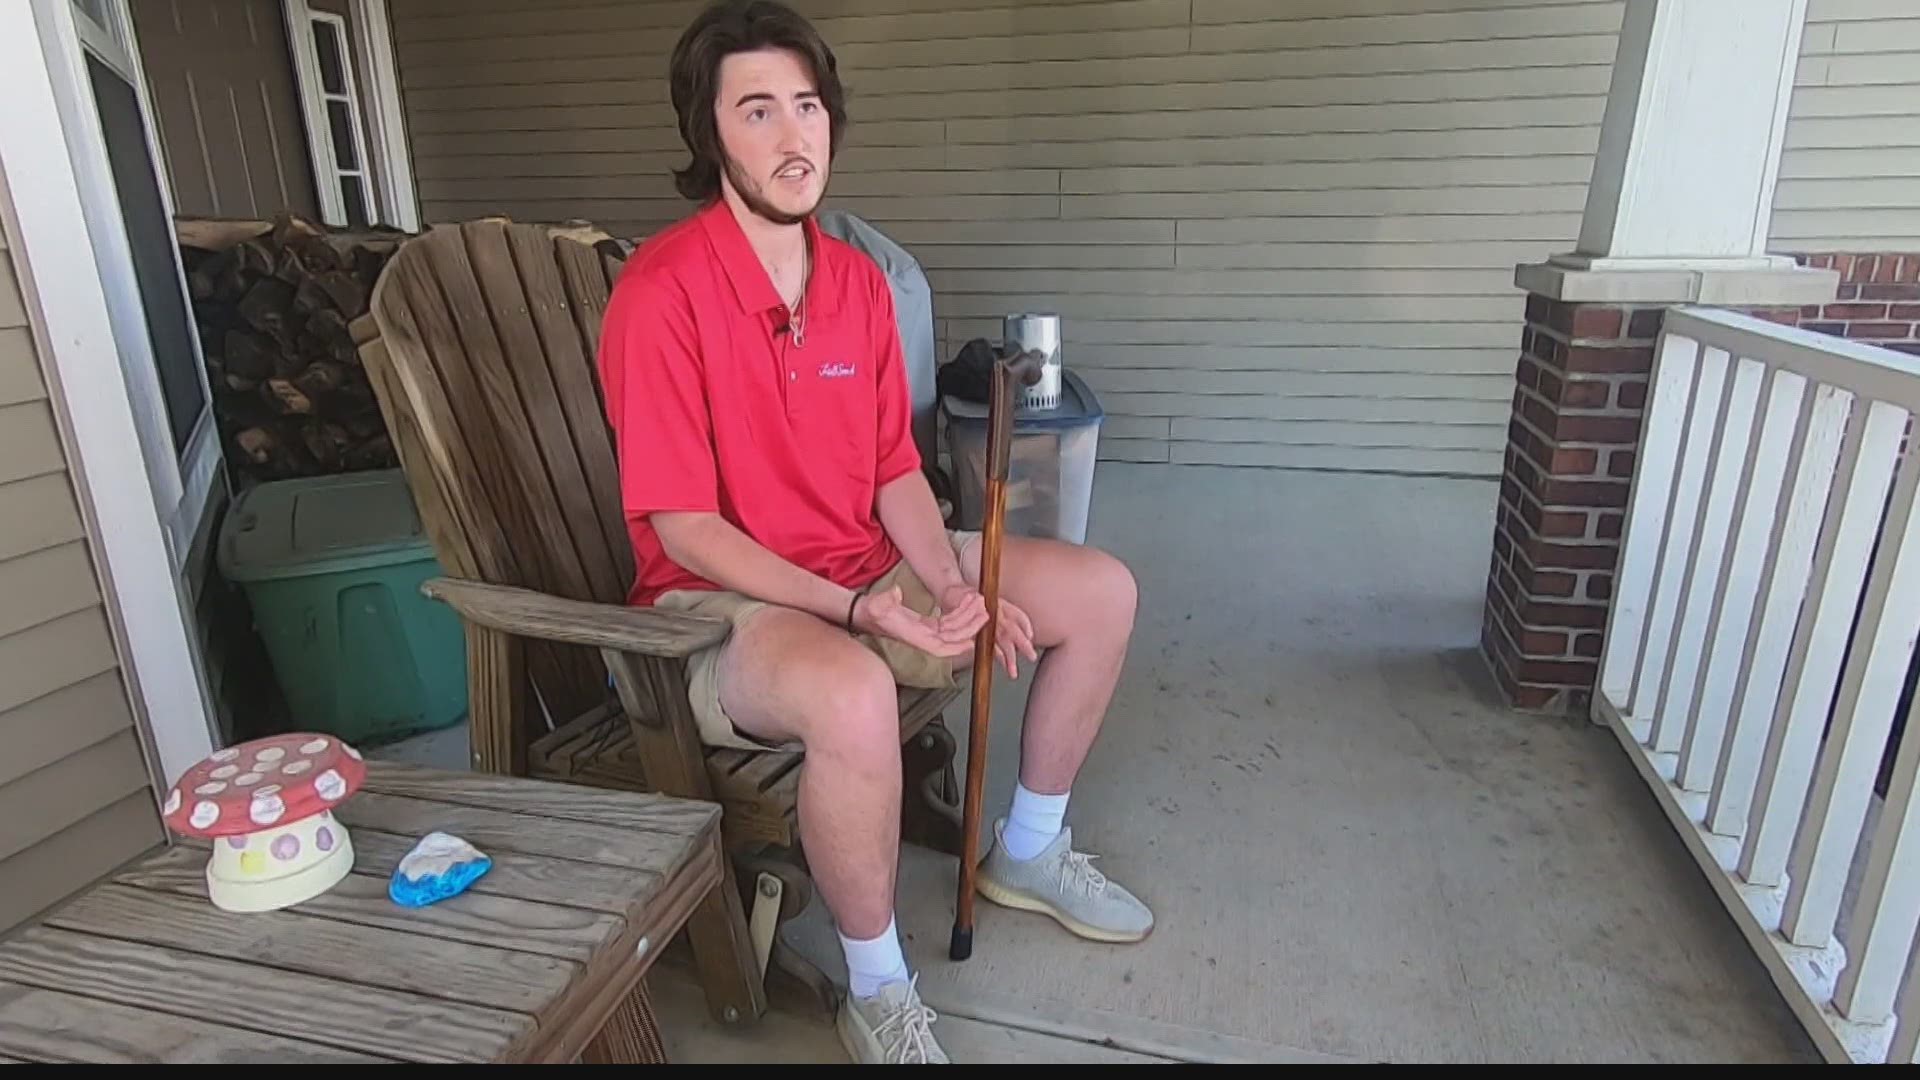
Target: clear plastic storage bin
point(1050, 476)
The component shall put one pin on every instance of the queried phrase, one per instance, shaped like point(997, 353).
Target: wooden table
point(540, 960)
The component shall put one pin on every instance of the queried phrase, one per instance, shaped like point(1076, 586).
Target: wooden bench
point(541, 960)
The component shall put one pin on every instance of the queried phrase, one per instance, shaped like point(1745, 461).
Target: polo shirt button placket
point(782, 347)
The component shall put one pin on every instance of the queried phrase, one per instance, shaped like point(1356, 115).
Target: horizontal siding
point(1199, 187)
point(41, 876)
point(50, 799)
point(1850, 172)
point(41, 514)
point(45, 585)
point(1265, 225)
point(61, 724)
point(75, 794)
point(53, 655)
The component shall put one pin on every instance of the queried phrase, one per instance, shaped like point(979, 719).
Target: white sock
point(875, 962)
point(1034, 822)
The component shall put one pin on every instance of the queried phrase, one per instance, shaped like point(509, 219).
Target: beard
point(754, 195)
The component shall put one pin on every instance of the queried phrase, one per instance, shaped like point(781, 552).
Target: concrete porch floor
point(1353, 849)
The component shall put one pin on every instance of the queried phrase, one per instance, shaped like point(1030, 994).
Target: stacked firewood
point(273, 300)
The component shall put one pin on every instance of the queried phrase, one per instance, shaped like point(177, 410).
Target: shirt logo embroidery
point(836, 371)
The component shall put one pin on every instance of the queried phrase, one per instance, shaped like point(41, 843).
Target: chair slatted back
point(484, 361)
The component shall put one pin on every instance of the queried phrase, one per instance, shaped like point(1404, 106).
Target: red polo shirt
point(715, 405)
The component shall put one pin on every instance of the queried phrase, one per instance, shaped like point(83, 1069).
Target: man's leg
point(787, 676)
point(1081, 601)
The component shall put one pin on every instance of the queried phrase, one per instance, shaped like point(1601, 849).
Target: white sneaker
point(1062, 882)
point(890, 1028)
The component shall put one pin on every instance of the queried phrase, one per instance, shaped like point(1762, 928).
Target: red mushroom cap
point(262, 784)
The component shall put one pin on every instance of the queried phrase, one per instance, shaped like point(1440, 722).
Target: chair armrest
point(525, 613)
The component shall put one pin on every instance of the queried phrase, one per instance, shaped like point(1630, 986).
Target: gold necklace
point(798, 313)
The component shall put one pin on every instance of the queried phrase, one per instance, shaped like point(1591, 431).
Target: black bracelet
point(851, 604)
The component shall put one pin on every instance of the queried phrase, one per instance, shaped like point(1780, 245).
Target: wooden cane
point(1025, 368)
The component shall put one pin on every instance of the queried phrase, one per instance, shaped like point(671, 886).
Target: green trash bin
point(332, 567)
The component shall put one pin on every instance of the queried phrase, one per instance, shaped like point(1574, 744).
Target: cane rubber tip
point(962, 946)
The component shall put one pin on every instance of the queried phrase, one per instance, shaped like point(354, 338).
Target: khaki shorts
point(910, 666)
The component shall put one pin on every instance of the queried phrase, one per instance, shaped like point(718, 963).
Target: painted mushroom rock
point(267, 806)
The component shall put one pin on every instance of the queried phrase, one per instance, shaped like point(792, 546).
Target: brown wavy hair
point(725, 28)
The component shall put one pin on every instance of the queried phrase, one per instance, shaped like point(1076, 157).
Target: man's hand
point(884, 614)
point(1012, 636)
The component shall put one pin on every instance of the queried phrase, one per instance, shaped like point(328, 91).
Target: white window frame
point(381, 127)
point(186, 482)
point(56, 163)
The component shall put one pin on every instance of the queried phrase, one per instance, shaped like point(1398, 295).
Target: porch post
point(1678, 212)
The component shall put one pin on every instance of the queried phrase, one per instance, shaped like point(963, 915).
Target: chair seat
point(759, 789)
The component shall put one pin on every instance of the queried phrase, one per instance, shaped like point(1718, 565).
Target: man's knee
point(855, 713)
point(1111, 587)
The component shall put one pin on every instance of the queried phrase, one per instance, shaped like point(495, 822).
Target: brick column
point(1582, 385)
point(1678, 211)
point(1575, 427)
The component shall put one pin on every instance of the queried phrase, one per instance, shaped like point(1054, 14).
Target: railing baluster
point(1667, 406)
point(1905, 1048)
point(1815, 442)
point(1684, 510)
point(1703, 587)
point(1813, 662)
point(1769, 442)
point(1765, 618)
point(1876, 669)
point(1888, 911)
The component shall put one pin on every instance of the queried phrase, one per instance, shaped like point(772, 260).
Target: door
point(108, 120)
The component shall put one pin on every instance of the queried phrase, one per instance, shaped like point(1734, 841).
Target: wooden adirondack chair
point(480, 344)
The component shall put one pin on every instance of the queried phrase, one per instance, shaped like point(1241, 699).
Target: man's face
point(774, 134)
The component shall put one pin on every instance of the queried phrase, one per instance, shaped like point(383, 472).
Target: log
point(265, 305)
point(331, 327)
point(328, 443)
point(349, 295)
point(258, 444)
point(244, 353)
point(289, 398)
point(321, 379)
point(253, 258)
point(274, 302)
point(309, 297)
point(213, 235)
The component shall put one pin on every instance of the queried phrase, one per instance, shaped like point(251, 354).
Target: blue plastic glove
point(439, 866)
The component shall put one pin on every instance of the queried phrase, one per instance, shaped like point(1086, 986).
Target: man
point(759, 403)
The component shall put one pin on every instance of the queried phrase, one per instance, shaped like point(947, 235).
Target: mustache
point(796, 159)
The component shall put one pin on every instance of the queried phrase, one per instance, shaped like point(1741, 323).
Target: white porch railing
point(1760, 645)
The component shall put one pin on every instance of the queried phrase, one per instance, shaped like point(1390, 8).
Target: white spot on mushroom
point(226, 755)
point(313, 747)
point(351, 752)
point(270, 789)
point(295, 768)
point(266, 809)
point(271, 753)
point(224, 772)
point(264, 767)
point(205, 813)
point(173, 802)
point(211, 787)
point(246, 779)
point(330, 785)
